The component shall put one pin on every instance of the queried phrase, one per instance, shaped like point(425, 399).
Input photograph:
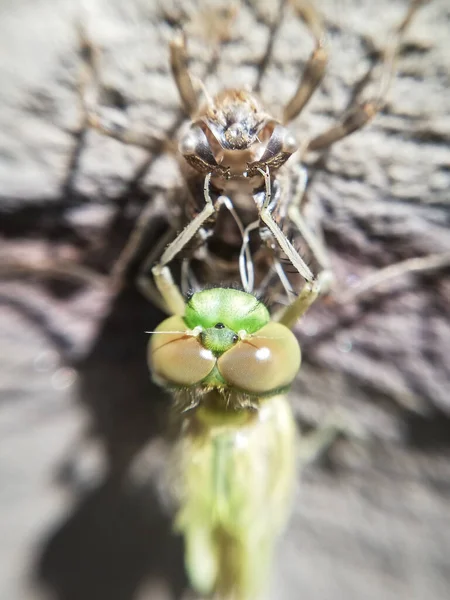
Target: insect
point(251, 261)
point(241, 230)
point(229, 365)
point(250, 145)
point(216, 354)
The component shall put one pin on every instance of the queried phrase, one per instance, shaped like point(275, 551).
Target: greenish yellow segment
point(234, 465)
point(236, 474)
point(235, 309)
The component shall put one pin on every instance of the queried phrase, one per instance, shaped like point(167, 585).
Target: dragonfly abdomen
point(235, 494)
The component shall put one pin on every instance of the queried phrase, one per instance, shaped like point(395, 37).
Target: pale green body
point(229, 366)
point(236, 472)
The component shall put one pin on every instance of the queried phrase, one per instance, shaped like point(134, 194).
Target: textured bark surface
point(372, 520)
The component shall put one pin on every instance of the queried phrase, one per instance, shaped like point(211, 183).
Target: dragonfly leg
point(91, 90)
point(359, 114)
point(315, 67)
point(181, 75)
point(312, 288)
point(144, 282)
point(296, 309)
point(267, 218)
point(313, 240)
point(170, 292)
point(318, 442)
point(379, 278)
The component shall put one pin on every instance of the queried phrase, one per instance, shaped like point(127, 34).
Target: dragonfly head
point(225, 340)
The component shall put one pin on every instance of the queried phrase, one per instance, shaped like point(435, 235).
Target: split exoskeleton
point(240, 219)
point(226, 358)
point(244, 203)
point(239, 216)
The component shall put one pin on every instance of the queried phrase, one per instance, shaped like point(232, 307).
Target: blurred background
point(83, 445)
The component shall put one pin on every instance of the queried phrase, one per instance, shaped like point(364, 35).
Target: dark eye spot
point(219, 326)
point(235, 339)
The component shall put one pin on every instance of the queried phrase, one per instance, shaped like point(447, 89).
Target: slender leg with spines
point(376, 280)
point(283, 242)
point(169, 291)
point(90, 91)
point(312, 239)
point(181, 74)
point(314, 70)
point(359, 115)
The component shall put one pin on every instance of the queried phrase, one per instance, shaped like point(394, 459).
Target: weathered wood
point(373, 521)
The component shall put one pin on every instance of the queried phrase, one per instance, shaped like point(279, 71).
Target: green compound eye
point(261, 360)
point(177, 358)
point(266, 362)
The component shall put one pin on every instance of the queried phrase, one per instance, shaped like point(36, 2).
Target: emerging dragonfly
point(229, 365)
point(228, 362)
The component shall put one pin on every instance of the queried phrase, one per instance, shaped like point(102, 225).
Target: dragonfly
point(225, 357)
point(231, 415)
point(228, 364)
